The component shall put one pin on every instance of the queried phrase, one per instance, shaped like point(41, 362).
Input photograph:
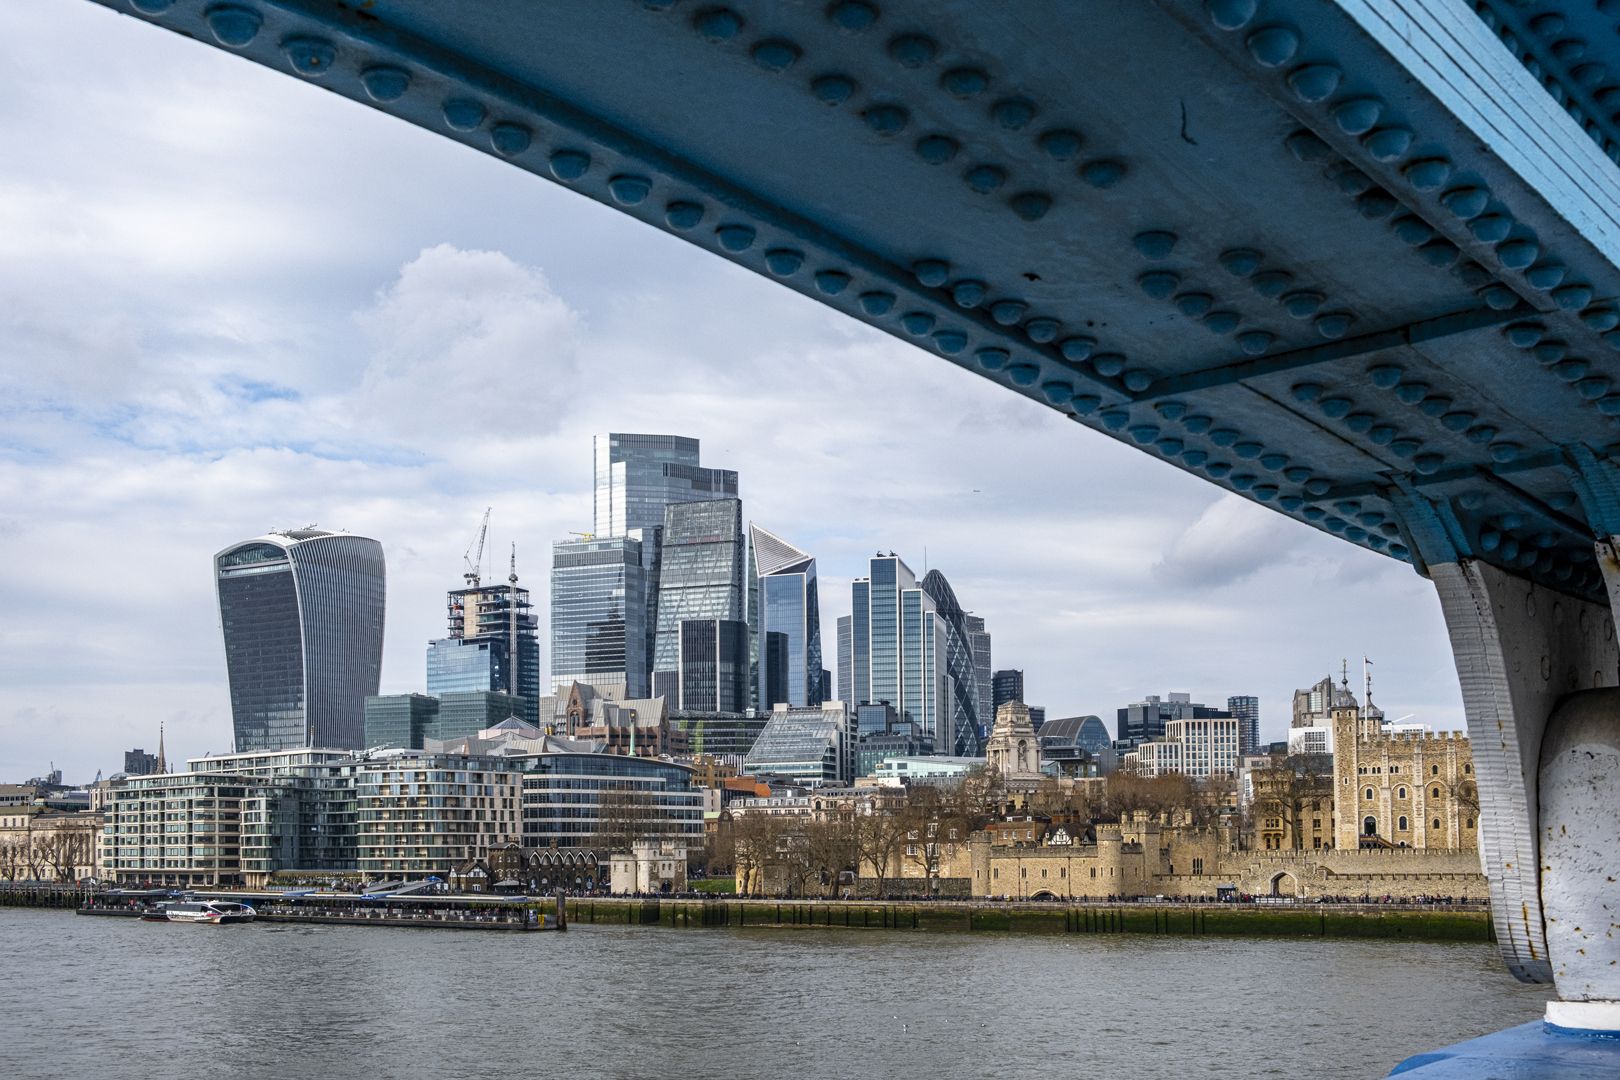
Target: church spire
point(162, 762)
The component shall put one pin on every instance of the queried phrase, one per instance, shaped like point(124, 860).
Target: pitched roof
point(773, 555)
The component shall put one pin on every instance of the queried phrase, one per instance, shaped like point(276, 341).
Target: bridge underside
point(1352, 259)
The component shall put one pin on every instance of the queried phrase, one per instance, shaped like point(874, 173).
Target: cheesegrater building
point(302, 617)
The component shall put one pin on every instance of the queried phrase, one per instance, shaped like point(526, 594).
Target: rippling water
point(141, 1000)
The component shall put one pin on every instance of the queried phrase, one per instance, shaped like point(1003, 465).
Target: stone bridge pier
point(1540, 674)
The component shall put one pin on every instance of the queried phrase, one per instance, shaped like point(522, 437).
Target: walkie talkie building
point(302, 616)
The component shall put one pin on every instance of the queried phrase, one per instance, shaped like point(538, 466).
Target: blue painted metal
point(1283, 253)
point(1529, 1050)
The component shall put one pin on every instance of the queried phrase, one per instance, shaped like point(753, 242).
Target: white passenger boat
point(211, 911)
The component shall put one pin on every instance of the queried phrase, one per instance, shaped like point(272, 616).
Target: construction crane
point(474, 565)
point(583, 536)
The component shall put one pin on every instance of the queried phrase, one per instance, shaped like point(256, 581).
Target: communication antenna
point(475, 563)
point(512, 624)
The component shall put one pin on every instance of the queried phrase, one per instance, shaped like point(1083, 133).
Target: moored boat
point(210, 911)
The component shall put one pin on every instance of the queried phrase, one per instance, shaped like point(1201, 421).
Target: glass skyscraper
point(1246, 708)
point(789, 622)
point(599, 631)
point(960, 665)
point(899, 649)
point(636, 478)
point(302, 617)
point(701, 578)
point(638, 475)
point(979, 640)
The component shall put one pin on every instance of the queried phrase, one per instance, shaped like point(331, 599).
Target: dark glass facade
point(599, 614)
point(486, 624)
point(700, 577)
point(561, 793)
point(401, 721)
point(302, 618)
point(465, 714)
point(713, 665)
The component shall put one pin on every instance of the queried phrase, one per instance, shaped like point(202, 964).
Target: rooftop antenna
point(475, 563)
point(511, 626)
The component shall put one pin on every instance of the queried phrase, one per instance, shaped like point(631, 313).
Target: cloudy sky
point(233, 301)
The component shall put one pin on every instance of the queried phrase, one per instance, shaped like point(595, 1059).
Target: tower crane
point(475, 564)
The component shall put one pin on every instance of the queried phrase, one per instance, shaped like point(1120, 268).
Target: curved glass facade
point(302, 618)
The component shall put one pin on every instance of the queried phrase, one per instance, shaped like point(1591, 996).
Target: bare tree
point(877, 840)
point(752, 839)
point(625, 815)
point(830, 848)
point(11, 859)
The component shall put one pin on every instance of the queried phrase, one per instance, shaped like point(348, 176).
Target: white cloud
point(1231, 541)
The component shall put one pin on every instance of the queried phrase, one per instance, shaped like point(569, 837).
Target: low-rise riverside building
point(562, 796)
point(421, 814)
point(650, 866)
point(187, 829)
point(1143, 857)
point(38, 843)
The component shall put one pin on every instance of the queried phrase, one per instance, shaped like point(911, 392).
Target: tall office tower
point(700, 578)
point(959, 665)
point(1007, 685)
point(1247, 710)
point(752, 587)
point(898, 647)
point(846, 660)
point(980, 642)
point(789, 622)
point(712, 666)
point(638, 475)
point(1146, 720)
point(599, 614)
point(302, 615)
point(489, 625)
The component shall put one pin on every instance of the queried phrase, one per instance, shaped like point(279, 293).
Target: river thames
point(121, 997)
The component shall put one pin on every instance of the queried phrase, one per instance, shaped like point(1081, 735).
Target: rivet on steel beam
point(384, 83)
point(1076, 349)
point(685, 215)
point(1008, 312)
point(628, 188)
point(1155, 245)
point(964, 82)
point(852, 16)
point(510, 139)
point(717, 24)
point(1230, 14)
point(950, 342)
point(886, 120)
point(913, 50)
point(776, 54)
point(1030, 205)
point(1273, 46)
point(570, 164)
point(784, 262)
point(832, 282)
point(311, 56)
point(1315, 82)
point(233, 25)
point(876, 303)
point(1222, 322)
point(1194, 304)
point(1059, 145)
point(832, 89)
point(741, 238)
point(937, 149)
point(463, 114)
point(1102, 174)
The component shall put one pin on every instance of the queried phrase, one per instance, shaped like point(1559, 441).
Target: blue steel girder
point(1349, 258)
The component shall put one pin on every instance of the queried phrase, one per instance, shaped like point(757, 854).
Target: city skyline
point(186, 418)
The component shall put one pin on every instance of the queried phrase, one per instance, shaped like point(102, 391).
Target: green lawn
point(714, 885)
